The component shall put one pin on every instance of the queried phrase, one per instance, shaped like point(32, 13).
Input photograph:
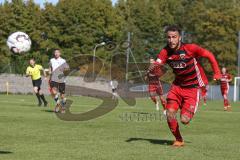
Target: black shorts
point(37, 83)
point(59, 86)
point(114, 90)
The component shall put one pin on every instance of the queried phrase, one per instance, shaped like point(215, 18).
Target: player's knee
point(171, 114)
point(62, 96)
point(185, 119)
point(225, 96)
point(54, 91)
point(153, 98)
point(35, 89)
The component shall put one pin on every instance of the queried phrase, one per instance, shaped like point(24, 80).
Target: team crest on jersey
point(182, 54)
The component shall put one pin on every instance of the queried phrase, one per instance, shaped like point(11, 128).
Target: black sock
point(43, 98)
point(56, 98)
point(39, 98)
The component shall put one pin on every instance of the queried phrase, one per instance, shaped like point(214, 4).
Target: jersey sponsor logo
point(182, 54)
point(178, 65)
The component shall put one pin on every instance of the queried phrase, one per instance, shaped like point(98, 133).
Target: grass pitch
point(28, 132)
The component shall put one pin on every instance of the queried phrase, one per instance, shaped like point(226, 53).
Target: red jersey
point(203, 75)
point(224, 81)
point(184, 64)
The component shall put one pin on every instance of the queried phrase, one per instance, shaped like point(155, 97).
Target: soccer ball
point(19, 42)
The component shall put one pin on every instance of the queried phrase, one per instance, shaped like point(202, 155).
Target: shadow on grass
point(5, 152)
point(153, 141)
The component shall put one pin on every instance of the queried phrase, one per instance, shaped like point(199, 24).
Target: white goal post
point(236, 89)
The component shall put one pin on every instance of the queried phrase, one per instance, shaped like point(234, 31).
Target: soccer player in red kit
point(204, 88)
point(224, 84)
point(184, 92)
point(154, 85)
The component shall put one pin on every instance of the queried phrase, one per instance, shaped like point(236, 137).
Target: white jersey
point(58, 66)
point(56, 63)
point(113, 84)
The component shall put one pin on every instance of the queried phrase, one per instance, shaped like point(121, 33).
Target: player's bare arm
point(44, 71)
point(28, 73)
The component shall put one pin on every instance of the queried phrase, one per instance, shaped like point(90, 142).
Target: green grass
point(28, 132)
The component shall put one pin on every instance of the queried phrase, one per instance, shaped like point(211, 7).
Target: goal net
point(236, 89)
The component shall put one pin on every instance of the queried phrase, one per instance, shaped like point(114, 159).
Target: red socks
point(226, 103)
point(174, 127)
point(205, 100)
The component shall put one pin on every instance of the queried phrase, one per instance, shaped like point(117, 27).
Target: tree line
point(76, 26)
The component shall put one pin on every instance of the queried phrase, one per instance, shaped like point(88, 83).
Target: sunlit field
point(31, 132)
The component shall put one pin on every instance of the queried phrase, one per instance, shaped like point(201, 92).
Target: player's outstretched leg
point(55, 96)
point(225, 102)
point(35, 89)
point(227, 106)
point(154, 99)
point(205, 100)
point(63, 103)
point(163, 102)
point(204, 95)
point(173, 124)
point(42, 98)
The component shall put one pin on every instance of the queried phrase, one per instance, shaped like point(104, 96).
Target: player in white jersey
point(57, 67)
point(114, 84)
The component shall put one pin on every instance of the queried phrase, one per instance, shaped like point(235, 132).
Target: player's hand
point(151, 67)
point(28, 74)
point(145, 78)
point(217, 77)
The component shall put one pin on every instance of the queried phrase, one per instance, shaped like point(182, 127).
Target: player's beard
point(178, 45)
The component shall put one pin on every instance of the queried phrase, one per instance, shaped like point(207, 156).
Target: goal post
point(236, 89)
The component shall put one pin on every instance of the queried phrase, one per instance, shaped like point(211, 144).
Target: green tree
point(215, 25)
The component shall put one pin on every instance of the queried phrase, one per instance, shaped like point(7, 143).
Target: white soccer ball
point(19, 42)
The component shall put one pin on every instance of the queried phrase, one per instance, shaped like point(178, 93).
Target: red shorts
point(155, 89)
point(184, 98)
point(224, 90)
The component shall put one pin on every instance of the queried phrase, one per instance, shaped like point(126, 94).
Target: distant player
point(224, 85)
point(34, 70)
point(58, 66)
point(204, 88)
point(184, 92)
point(114, 84)
point(154, 85)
